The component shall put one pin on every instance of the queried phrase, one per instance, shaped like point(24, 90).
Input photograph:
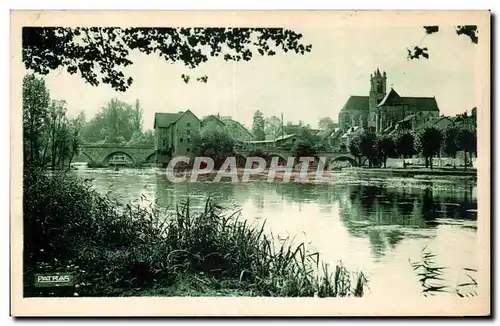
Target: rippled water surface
point(375, 225)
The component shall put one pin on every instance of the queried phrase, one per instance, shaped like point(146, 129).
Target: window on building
point(181, 140)
point(188, 149)
point(164, 143)
point(188, 140)
point(188, 124)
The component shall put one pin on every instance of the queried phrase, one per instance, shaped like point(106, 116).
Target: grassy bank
point(415, 172)
point(117, 249)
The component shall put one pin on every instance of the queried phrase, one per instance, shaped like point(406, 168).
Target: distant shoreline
point(417, 173)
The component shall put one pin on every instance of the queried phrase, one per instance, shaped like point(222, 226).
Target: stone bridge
point(100, 154)
point(284, 154)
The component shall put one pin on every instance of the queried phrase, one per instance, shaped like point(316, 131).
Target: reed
point(117, 249)
point(431, 277)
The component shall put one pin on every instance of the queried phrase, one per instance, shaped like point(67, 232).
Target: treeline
point(49, 136)
point(427, 142)
point(117, 123)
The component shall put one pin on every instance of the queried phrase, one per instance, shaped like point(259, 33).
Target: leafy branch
point(99, 54)
point(416, 52)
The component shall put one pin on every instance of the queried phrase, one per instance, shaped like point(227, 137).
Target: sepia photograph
point(338, 160)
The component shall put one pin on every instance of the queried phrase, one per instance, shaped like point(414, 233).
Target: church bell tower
point(378, 88)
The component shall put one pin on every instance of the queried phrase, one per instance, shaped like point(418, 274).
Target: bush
point(117, 250)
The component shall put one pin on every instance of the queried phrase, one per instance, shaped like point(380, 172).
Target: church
point(382, 110)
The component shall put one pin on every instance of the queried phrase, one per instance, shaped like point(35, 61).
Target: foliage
point(416, 52)
point(99, 54)
point(117, 123)
point(367, 147)
point(117, 249)
point(272, 127)
point(428, 142)
point(48, 135)
point(450, 145)
point(466, 141)
point(303, 148)
point(326, 123)
point(385, 148)
point(432, 281)
point(258, 127)
point(404, 143)
point(354, 148)
point(215, 143)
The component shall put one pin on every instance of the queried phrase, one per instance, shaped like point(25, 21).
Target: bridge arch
point(151, 158)
point(341, 158)
point(108, 156)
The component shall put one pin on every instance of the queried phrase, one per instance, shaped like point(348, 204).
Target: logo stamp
point(54, 279)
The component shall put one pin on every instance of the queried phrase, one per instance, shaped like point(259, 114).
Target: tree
point(466, 141)
point(214, 143)
point(272, 127)
point(404, 144)
point(416, 52)
point(137, 117)
point(303, 148)
point(116, 123)
point(385, 148)
point(354, 148)
point(428, 143)
point(48, 135)
point(258, 126)
point(36, 100)
point(367, 147)
point(450, 145)
point(326, 123)
point(98, 54)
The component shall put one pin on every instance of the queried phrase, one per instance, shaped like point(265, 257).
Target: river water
point(373, 225)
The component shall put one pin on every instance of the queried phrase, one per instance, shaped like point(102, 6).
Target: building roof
point(392, 98)
point(357, 103)
point(421, 103)
point(435, 122)
point(329, 132)
point(229, 120)
point(284, 137)
point(360, 103)
point(163, 120)
point(214, 117)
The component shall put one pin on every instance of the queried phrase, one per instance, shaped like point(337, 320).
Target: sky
point(301, 87)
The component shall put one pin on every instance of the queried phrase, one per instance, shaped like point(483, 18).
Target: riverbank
point(117, 249)
point(414, 172)
point(327, 176)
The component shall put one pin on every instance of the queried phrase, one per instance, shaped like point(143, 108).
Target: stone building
point(174, 132)
point(382, 109)
point(235, 129)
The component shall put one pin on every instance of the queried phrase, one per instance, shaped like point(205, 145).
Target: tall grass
point(431, 279)
point(118, 249)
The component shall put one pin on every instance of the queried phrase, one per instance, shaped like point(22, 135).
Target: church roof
point(355, 103)
point(392, 98)
point(421, 103)
point(360, 103)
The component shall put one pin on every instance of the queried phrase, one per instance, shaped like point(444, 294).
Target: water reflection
point(381, 222)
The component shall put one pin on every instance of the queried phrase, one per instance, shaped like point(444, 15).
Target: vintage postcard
point(246, 163)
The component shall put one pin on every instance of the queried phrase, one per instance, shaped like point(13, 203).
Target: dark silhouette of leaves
point(431, 29)
point(99, 54)
point(470, 31)
point(416, 52)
